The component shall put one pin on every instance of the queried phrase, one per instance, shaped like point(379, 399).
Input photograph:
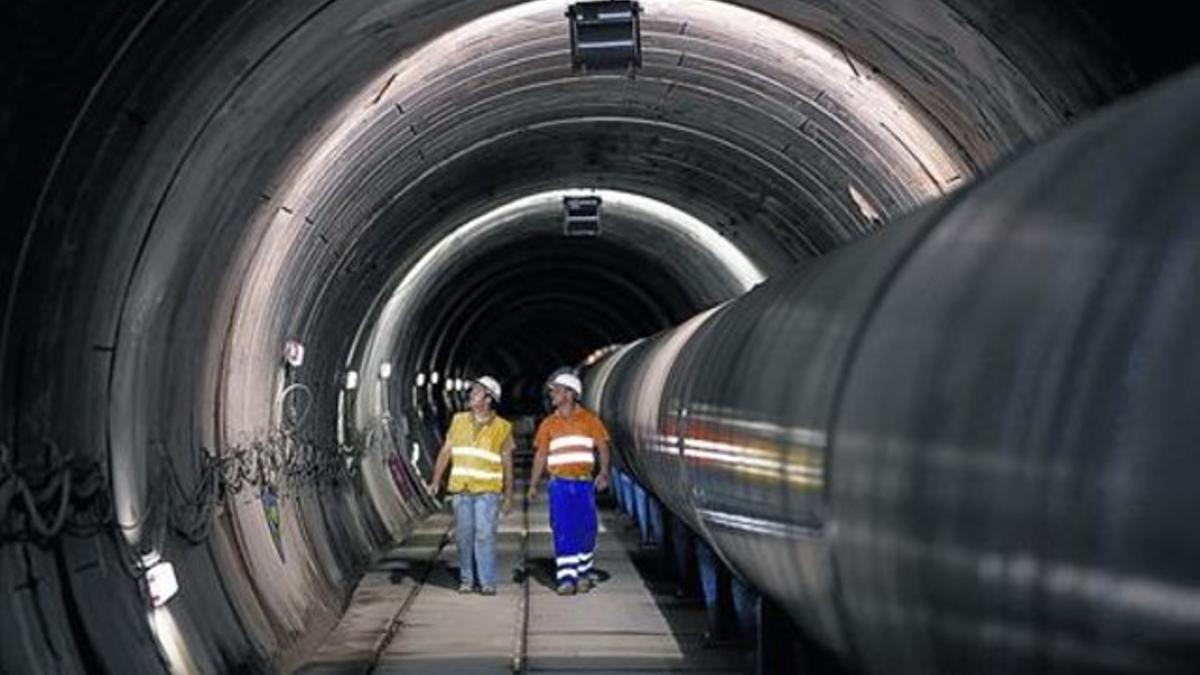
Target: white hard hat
point(490, 385)
point(569, 381)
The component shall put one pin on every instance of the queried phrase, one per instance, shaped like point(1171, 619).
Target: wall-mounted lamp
point(385, 370)
point(351, 380)
point(581, 216)
point(293, 353)
point(162, 583)
point(605, 35)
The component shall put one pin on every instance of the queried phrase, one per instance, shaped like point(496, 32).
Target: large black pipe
point(966, 444)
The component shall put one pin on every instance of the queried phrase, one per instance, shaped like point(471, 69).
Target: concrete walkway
point(407, 616)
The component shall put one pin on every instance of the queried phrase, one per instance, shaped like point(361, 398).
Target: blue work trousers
point(573, 520)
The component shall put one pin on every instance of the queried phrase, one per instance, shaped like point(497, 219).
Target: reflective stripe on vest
point(477, 463)
point(571, 456)
point(479, 474)
point(478, 453)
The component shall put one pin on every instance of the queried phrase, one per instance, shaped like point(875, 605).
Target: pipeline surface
point(965, 444)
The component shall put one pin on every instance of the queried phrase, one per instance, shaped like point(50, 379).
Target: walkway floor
point(407, 616)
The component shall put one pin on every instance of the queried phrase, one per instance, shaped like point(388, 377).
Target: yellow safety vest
point(476, 464)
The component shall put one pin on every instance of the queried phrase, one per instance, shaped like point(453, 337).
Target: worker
point(478, 450)
point(568, 442)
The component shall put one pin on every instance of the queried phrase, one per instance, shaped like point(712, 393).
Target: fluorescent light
point(293, 353)
point(162, 583)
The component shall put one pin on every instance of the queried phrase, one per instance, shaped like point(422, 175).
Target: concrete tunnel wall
point(188, 186)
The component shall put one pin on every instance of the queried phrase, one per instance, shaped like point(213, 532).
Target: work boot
point(465, 588)
point(487, 590)
point(565, 589)
point(586, 583)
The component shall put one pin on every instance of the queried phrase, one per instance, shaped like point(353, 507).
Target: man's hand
point(506, 506)
point(532, 493)
point(601, 482)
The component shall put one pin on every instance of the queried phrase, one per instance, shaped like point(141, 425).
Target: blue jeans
point(476, 517)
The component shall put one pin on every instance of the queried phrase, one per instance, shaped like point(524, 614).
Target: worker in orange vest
point(568, 442)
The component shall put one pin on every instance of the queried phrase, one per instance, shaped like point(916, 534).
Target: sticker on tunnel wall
point(270, 503)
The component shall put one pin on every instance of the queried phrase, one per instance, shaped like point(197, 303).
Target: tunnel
point(256, 252)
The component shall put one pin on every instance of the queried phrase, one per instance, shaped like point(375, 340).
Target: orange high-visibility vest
point(570, 443)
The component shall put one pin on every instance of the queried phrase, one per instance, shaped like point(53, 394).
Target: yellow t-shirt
point(476, 463)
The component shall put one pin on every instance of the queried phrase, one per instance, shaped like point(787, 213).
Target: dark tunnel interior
point(573, 295)
point(189, 186)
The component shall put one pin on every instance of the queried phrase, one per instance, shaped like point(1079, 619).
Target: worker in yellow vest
point(568, 442)
point(478, 450)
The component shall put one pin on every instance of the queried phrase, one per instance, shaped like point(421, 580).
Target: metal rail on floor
point(522, 462)
point(521, 639)
point(395, 623)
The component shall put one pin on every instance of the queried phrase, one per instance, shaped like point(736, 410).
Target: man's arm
point(539, 466)
point(506, 451)
point(443, 459)
point(602, 477)
point(541, 446)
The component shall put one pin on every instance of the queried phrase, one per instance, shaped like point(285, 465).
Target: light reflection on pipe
point(805, 468)
point(170, 640)
point(773, 528)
